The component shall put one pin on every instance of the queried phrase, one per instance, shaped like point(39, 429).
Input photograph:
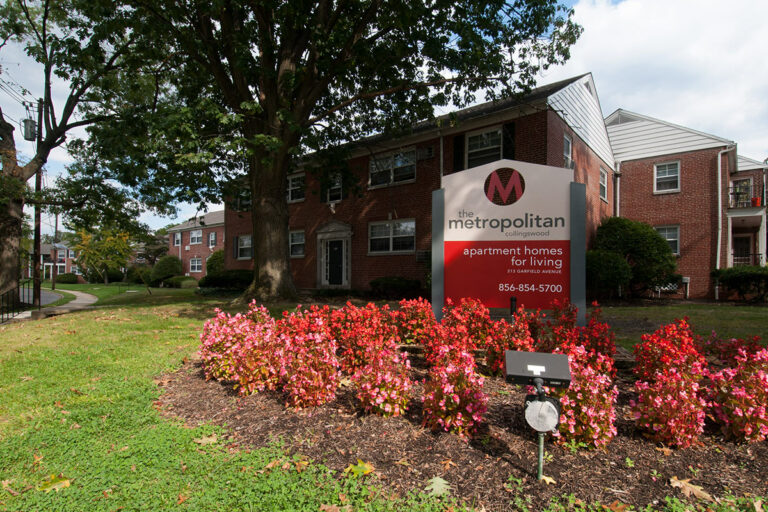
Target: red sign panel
point(535, 272)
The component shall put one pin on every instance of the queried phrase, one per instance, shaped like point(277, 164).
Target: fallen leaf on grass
point(758, 506)
point(335, 508)
point(548, 480)
point(53, 482)
point(206, 440)
point(359, 469)
point(7, 488)
point(182, 499)
point(438, 487)
point(616, 506)
point(688, 489)
point(666, 451)
point(27, 378)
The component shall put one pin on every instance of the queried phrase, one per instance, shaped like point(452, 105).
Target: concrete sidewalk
point(81, 301)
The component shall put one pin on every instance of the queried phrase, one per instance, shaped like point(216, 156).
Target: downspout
point(618, 188)
point(720, 203)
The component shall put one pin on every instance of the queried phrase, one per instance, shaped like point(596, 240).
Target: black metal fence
point(16, 300)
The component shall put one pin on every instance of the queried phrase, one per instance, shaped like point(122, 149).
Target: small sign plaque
point(523, 367)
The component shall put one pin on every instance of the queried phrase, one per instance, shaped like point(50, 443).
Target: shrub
point(228, 279)
point(167, 266)
point(606, 272)
point(647, 253)
point(361, 333)
point(465, 327)
point(506, 336)
point(215, 262)
point(395, 287)
point(453, 396)
point(221, 335)
point(113, 276)
point(383, 383)
point(68, 278)
point(746, 281)
point(588, 412)
point(727, 350)
point(739, 397)
point(138, 274)
point(180, 282)
point(671, 346)
point(415, 321)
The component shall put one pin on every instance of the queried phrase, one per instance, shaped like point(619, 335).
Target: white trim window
point(244, 247)
point(392, 236)
point(390, 169)
point(71, 254)
point(672, 235)
point(61, 268)
point(177, 239)
point(567, 151)
point(296, 244)
point(666, 178)
point(196, 237)
point(603, 184)
point(741, 193)
point(296, 191)
point(195, 265)
point(212, 239)
point(334, 194)
point(484, 147)
point(76, 270)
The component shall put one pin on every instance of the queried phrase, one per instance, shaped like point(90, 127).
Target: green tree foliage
point(249, 86)
point(215, 262)
point(103, 253)
point(606, 272)
point(748, 282)
point(647, 253)
point(167, 266)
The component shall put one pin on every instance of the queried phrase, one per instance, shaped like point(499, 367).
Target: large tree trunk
point(272, 277)
point(11, 218)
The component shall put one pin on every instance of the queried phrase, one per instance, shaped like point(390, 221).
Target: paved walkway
point(81, 301)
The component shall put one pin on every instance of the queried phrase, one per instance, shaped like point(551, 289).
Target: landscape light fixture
point(538, 369)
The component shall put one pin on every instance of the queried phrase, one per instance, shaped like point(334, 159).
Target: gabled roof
point(206, 220)
point(634, 136)
point(748, 164)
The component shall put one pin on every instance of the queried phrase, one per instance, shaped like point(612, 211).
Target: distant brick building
point(342, 238)
point(195, 240)
point(704, 199)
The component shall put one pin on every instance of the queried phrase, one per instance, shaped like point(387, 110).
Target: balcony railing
point(742, 259)
point(745, 196)
point(15, 300)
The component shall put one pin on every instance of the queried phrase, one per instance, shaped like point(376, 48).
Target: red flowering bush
point(669, 408)
point(597, 336)
point(727, 350)
point(310, 368)
point(361, 332)
point(473, 316)
point(671, 346)
point(415, 321)
point(740, 395)
point(506, 336)
point(453, 396)
point(383, 384)
point(588, 406)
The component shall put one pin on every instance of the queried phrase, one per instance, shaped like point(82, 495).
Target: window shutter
point(508, 141)
point(234, 245)
point(458, 153)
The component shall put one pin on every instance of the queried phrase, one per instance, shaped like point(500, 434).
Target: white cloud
point(697, 63)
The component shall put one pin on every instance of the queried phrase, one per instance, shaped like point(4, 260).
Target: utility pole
point(55, 268)
point(38, 186)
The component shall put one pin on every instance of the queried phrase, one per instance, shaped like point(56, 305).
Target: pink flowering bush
point(310, 368)
point(360, 333)
point(726, 350)
point(588, 406)
point(739, 397)
point(383, 384)
point(415, 321)
point(453, 396)
point(508, 336)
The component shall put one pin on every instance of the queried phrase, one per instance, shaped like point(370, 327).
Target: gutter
point(720, 202)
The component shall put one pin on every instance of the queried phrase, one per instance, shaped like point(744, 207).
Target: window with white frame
point(244, 248)
point(61, 269)
point(295, 190)
point(176, 239)
point(483, 147)
point(72, 254)
point(334, 192)
point(666, 177)
point(212, 239)
point(603, 184)
point(741, 193)
point(392, 236)
point(296, 243)
point(567, 152)
point(196, 264)
point(395, 168)
point(76, 270)
point(196, 237)
point(672, 235)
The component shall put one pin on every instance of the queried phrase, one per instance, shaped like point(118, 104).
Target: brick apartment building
point(704, 199)
point(344, 239)
point(195, 240)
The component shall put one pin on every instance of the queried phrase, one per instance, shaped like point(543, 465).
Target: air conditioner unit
point(186, 274)
point(186, 248)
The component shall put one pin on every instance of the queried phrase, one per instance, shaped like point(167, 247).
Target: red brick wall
point(694, 209)
point(197, 250)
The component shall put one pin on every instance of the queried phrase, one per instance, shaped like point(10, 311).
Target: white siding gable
point(748, 164)
point(579, 107)
point(634, 136)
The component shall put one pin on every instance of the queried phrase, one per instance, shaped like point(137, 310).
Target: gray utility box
point(523, 367)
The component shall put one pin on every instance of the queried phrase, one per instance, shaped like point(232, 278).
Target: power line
point(15, 95)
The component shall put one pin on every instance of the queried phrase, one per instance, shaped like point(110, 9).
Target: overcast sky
point(697, 63)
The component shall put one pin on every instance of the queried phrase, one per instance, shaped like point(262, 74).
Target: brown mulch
point(494, 468)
